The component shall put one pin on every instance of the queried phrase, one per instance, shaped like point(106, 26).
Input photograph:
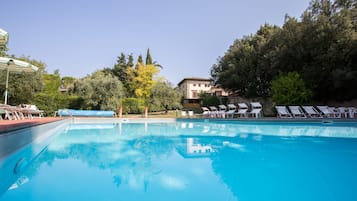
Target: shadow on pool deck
point(9, 125)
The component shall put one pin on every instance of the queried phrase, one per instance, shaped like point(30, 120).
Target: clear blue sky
point(185, 36)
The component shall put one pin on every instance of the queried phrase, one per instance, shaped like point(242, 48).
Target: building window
point(194, 85)
point(199, 85)
point(194, 94)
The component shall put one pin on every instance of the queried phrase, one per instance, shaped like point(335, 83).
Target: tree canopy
point(99, 91)
point(321, 47)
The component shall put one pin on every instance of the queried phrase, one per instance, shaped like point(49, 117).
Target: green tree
point(246, 67)
point(68, 82)
point(321, 47)
point(164, 97)
point(140, 59)
point(50, 99)
point(51, 82)
point(142, 80)
point(132, 105)
point(130, 61)
point(4, 38)
point(99, 91)
point(120, 69)
point(148, 58)
point(208, 99)
point(290, 89)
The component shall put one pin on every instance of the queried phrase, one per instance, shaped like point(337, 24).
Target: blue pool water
point(190, 160)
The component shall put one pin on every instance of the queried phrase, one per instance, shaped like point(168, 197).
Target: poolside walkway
point(8, 125)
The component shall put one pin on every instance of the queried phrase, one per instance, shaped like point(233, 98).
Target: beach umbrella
point(14, 65)
point(4, 37)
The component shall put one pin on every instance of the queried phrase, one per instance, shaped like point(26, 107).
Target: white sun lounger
point(222, 111)
point(190, 114)
point(214, 112)
point(242, 110)
point(296, 111)
point(183, 114)
point(312, 112)
point(328, 112)
point(205, 112)
point(256, 109)
point(231, 110)
point(283, 112)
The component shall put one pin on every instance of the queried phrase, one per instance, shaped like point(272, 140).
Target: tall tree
point(245, 68)
point(120, 69)
point(148, 58)
point(142, 81)
point(140, 60)
point(130, 61)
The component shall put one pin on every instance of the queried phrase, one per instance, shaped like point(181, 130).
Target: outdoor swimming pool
point(186, 160)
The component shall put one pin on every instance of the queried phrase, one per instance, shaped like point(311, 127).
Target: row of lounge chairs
point(232, 111)
point(315, 112)
point(19, 112)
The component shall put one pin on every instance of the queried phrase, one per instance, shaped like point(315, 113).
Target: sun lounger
point(296, 111)
point(283, 112)
point(256, 109)
point(31, 111)
point(190, 114)
point(242, 110)
point(205, 112)
point(214, 112)
point(222, 111)
point(328, 112)
point(3, 114)
point(352, 111)
point(11, 112)
point(231, 110)
point(312, 112)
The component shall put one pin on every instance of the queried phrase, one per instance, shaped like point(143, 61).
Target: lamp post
point(7, 79)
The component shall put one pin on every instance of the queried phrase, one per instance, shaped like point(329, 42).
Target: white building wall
point(191, 88)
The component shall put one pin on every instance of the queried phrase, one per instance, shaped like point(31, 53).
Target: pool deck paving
point(9, 125)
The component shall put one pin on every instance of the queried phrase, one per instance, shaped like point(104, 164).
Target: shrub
point(209, 100)
point(132, 106)
point(50, 103)
point(290, 89)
